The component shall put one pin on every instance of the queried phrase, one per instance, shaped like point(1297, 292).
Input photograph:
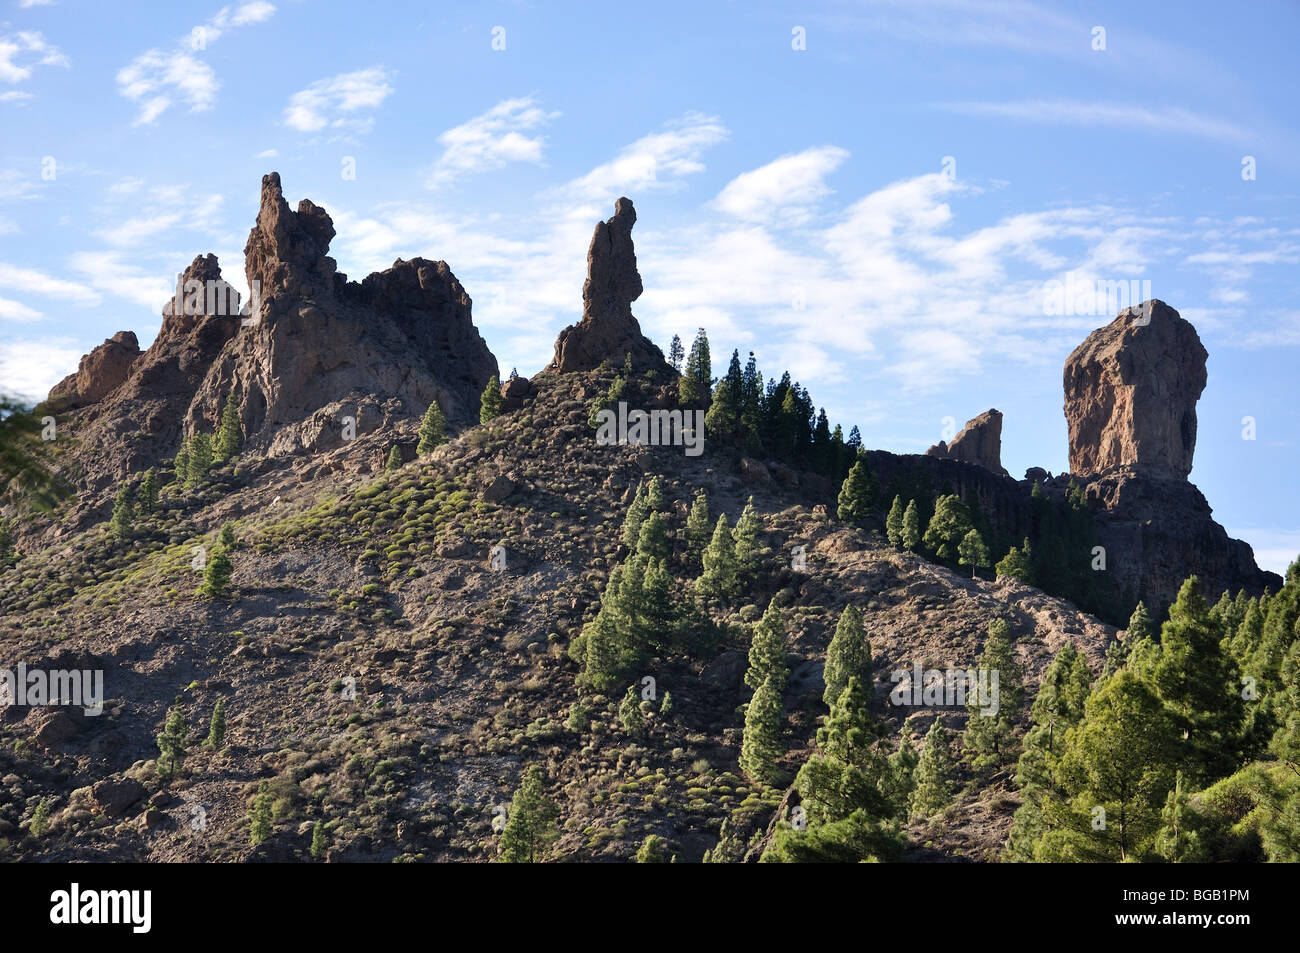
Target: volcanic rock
point(1130, 394)
point(608, 330)
point(980, 443)
point(100, 371)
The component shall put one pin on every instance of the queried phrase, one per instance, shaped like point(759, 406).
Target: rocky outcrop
point(608, 331)
point(1130, 394)
point(309, 345)
point(100, 372)
point(980, 443)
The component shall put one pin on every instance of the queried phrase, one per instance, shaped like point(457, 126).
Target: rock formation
point(980, 443)
point(101, 371)
point(1130, 394)
point(310, 348)
point(608, 331)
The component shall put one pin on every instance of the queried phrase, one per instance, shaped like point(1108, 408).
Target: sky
point(885, 198)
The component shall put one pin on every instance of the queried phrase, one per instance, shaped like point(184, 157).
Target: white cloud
point(17, 311)
point(29, 368)
point(331, 103)
point(28, 4)
point(785, 188)
point(491, 140)
point(150, 76)
point(38, 282)
point(268, 153)
point(123, 282)
point(1118, 115)
point(15, 96)
point(157, 78)
point(15, 185)
point(659, 160)
point(29, 47)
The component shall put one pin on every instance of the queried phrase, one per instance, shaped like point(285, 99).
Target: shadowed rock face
point(980, 443)
point(1130, 394)
point(608, 330)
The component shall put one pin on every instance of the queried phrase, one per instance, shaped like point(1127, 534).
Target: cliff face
point(608, 330)
point(309, 349)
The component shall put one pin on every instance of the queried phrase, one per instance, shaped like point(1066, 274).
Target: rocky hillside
point(403, 632)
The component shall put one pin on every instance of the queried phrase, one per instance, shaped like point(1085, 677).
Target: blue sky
point(883, 211)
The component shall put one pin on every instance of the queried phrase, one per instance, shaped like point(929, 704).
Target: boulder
point(114, 796)
point(1130, 394)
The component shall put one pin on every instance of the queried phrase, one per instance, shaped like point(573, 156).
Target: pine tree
point(1017, 564)
point(990, 740)
point(749, 551)
point(761, 743)
point(719, 579)
point(121, 523)
point(696, 383)
point(318, 842)
point(652, 541)
point(1177, 841)
point(1198, 681)
point(848, 773)
point(491, 403)
point(1118, 759)
point(848, 656)
point(217, 728)
point(629, 712)
point(654, 849)
point(200, 460)
point(972, 551)
point(894, 523)
point(675, 354)
point(530, 828)
point(216, 575)
point(229, 433)
point(948, 526)
point(226, 538)
point(6, 546)
point(911, 527)
point(39, 824)
point(579, 717)
point(934, 773)
point(433, 429)
point(855, 494)
point(259, 828)
point(697, 529)
point(723, 419)
point(902, 774)
point(181, 465)
point(149, 491)
point(666, 705)
point(654, 496)
point(767, 650)
point(171, 742)
point(636, 514)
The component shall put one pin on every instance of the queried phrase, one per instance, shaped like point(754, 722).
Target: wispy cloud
point(35, 281)
point(334, 103)
point(659, 160)
point(1118, 115)
point(491, 140)
point(158, 78)
point(22, 52)
point(784, 189)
